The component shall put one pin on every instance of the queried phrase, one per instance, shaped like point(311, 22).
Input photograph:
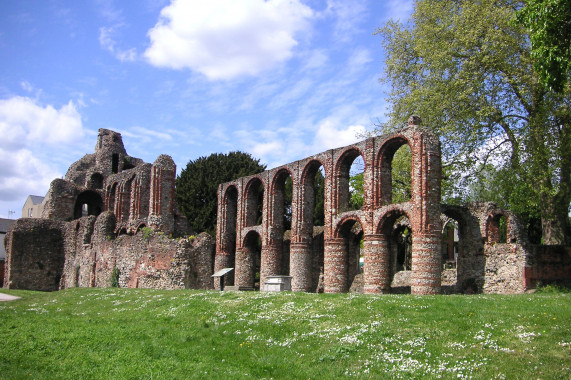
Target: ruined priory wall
point(34, 254)
point(146, 260)
point(504, 268)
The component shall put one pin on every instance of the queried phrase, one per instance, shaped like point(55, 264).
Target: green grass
point(157, 334)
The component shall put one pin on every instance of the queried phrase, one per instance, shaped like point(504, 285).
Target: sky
point(279, 79)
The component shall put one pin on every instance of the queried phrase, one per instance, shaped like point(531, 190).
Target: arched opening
point(350, 181)
point(450, 243)
point(253, 259)
point(307, 255)
point(96, 181)
point(230, 213)
point(497, 229)
point(395, 172)
point(88, 203)
point(348, 265)
point(397, 232)
point(254, 202)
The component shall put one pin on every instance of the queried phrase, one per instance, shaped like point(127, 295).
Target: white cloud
point(225, 39)
point(31, 135)
point(331, 135)
point(107, 42)
point(24, 121)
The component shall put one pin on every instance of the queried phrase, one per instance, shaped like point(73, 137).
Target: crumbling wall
point(548, 265)
point(148, 259)
point(34, 255)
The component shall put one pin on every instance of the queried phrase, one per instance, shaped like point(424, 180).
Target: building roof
point(5, 223)
point(36, 199)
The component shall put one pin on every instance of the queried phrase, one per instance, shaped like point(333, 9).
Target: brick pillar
point(426, 264)
point(377, 267)
point(271, 261)
point(244, 268)
point(300, 266)
point(335, 266)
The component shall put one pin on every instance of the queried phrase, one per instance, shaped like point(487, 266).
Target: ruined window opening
point(350, 181)
point(115, 163)
point(496, 229)
point(88, 203)
point(450, 244)
point(395, 172)
point(254, 203)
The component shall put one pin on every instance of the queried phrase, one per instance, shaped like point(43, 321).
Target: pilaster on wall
point(163, 175)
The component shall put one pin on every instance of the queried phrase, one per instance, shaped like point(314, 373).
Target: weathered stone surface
point(112, 212)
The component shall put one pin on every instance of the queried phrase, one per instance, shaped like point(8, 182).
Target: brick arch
point(277, 197)
point(251, 198)
point(248, 260)
point(341, 177)
point(383, 167)
point(340, 225)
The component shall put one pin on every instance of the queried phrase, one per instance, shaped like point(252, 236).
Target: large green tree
point(197, 185)
point(549, 26)
point(466, 68)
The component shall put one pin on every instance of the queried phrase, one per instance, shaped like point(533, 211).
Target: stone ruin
point(327, 258)
point(114, 220)
point(112, 215)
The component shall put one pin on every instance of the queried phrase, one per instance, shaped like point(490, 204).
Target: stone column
point(335, 266)
point(426, 264)
point(300, 266)
point(377, 267)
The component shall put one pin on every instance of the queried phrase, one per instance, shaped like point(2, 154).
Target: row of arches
point(264, 205)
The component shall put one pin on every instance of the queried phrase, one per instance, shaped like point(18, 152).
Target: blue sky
point(279, 79)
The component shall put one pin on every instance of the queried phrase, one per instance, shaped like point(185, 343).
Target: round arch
point(341, 176)
point(254, 197)
point(383, 168)
point(88, 202)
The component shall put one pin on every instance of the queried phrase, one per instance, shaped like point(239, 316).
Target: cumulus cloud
point(225, 39)
point(31, 132)
point(330, 135)
point(24, 121)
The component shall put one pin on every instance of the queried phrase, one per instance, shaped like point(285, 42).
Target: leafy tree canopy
point(197, 185)
point(549, 26)
point(466, 68)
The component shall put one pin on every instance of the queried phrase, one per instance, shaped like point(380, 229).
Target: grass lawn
point(156, 334)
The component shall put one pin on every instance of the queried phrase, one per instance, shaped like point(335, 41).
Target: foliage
point(115, 277)
point(146, 231)
point(552, 289)
point(465, 67)
point(319, 197)
point(90, 333)
point(197, 185)
point(401, 175)
point(356, 183)
point(549, 25)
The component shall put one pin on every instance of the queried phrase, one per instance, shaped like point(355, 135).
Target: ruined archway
point(249, 262)
point(386, 186)
point(342, 253)
point(342, 180)
point(88, 203)
point(254, 196)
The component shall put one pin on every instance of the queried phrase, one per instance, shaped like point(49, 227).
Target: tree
point(466, 68)
point(549, 26)
point(197, 185)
